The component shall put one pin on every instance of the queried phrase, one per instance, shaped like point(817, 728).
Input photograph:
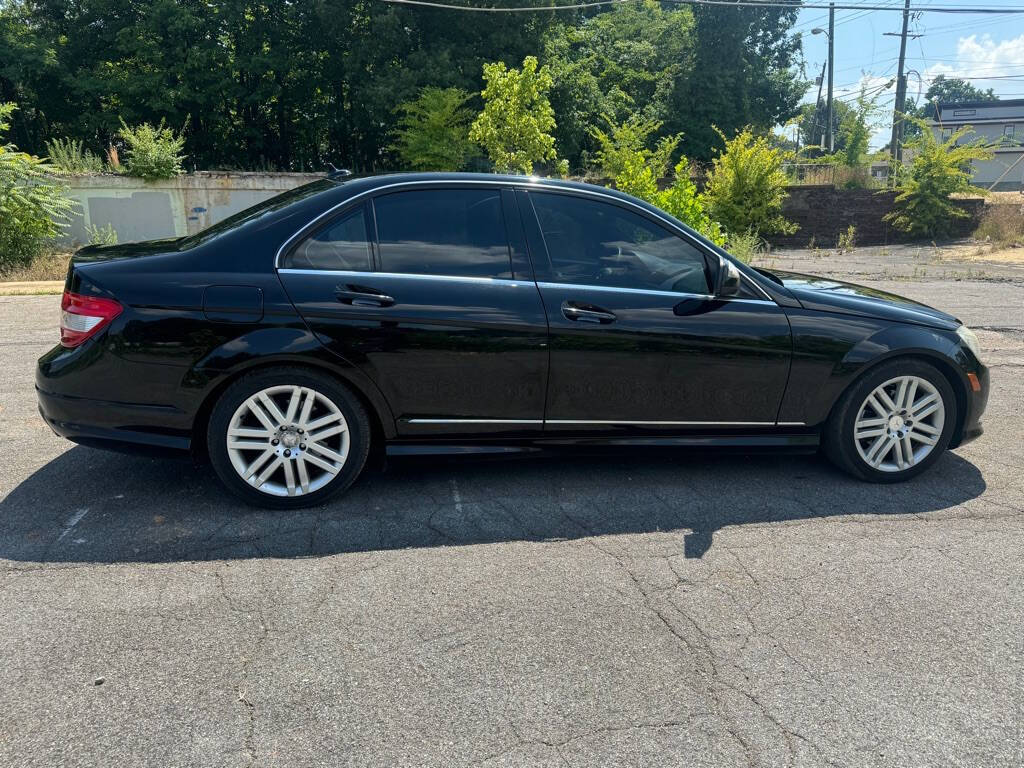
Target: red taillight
point(82, 317)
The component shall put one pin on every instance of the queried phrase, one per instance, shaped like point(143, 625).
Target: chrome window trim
point(525, 185)
point(409, 275)
point(508, 281)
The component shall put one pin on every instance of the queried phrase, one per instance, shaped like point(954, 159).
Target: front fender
point(830, 353)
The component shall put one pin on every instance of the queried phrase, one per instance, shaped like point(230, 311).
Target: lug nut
point(300, 431)
point(302, 447)
point(287, 453)
point(275, 441)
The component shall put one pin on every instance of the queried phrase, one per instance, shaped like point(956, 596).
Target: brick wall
point(824, 212)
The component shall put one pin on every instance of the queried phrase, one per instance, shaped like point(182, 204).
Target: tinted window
point(342, 244)
point(594, 243)
point(443, 232)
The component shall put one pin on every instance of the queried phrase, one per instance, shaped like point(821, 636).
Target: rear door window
point(343, 244)
point(458, 232)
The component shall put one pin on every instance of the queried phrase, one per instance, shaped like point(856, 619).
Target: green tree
point(620, 63)
point(743, 73)
point(747, 186)
point(33, 208)
point(856, 130)
point(434, 133)
point(514, 126)
point(939, 169)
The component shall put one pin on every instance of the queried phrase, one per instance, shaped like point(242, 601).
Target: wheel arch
point(941, 362)
point(381, 419)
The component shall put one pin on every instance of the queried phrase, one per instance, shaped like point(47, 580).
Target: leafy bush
point(923, 207)
point(435, 130)
point(627, 143)
point(70, 156)
point(515, 124)
point(744, 245)
point(101, 235)
point(625, 159)
point(33, 208)
point(154, 152)
point(1002, 225)
point(747, 186)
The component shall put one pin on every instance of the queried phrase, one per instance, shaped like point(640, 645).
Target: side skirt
point(803, 442)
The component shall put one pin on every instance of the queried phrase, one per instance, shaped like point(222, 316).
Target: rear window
point(458, 232)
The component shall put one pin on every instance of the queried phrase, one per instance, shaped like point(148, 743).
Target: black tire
point(838, 438)
point(358, 434)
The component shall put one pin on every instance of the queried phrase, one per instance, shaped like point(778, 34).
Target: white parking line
point(75, 520)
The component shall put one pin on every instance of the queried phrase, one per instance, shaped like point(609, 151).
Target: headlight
point(970, 340)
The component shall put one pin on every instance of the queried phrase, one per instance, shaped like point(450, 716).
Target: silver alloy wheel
point(899, 423)
point(288, 440)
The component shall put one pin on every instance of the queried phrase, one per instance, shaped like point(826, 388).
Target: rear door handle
point(586, 313)
point(361, 296)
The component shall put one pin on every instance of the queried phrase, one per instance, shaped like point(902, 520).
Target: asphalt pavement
point(669, 609)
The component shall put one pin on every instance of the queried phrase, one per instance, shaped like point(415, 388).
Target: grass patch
point(51, 266)
point(1002, 225)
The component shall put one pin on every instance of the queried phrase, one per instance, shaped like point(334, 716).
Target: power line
point(725, 3)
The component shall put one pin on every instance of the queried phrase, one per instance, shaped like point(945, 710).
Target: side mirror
point(729, 279)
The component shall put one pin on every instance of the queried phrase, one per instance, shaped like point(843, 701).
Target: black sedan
point(457, 313)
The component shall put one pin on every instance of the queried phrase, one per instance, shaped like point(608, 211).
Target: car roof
point(363, 183)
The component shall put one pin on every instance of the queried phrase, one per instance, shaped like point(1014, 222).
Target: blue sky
point(988, 50)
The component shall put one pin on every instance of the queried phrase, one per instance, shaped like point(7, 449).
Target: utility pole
point(901, 91)
point(831, 52)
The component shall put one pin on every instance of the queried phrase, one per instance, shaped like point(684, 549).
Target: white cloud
point(980, 59)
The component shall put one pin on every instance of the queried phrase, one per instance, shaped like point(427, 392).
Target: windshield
point(260, 209)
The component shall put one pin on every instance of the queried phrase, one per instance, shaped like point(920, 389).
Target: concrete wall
point(140, 210)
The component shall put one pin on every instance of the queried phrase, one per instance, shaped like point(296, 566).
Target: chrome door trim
point(472, 421)
point(590, 422)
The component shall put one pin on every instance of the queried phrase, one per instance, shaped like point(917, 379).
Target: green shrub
point(33, 208)
point(69, 156)
point(744, 245)
point(101, 235)
point(517, 119)
point(847, 239)
point(625, 159)
point(435, 131)
point(747, 186)
point(939, 169)
point(154, 152)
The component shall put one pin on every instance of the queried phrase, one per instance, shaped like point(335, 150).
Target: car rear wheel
point(288, 438)
point(893, 423)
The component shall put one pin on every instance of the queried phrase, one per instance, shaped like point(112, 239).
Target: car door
point(637, 339)
point(423, 290)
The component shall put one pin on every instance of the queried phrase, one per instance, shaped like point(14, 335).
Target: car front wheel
point(893, 423)
point(288, 438)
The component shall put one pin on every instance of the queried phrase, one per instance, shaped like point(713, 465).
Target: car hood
point(828, 295)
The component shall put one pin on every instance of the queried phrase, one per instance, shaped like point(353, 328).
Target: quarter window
point(457, 232)
point(341, 245)
point(594, 243)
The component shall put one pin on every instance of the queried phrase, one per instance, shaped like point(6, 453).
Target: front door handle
point(361, 296)
point(586, 313)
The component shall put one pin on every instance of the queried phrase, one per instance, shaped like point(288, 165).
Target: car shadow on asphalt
point(92, 506)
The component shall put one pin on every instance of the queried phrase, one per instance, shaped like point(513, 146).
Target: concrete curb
point(32, 288)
